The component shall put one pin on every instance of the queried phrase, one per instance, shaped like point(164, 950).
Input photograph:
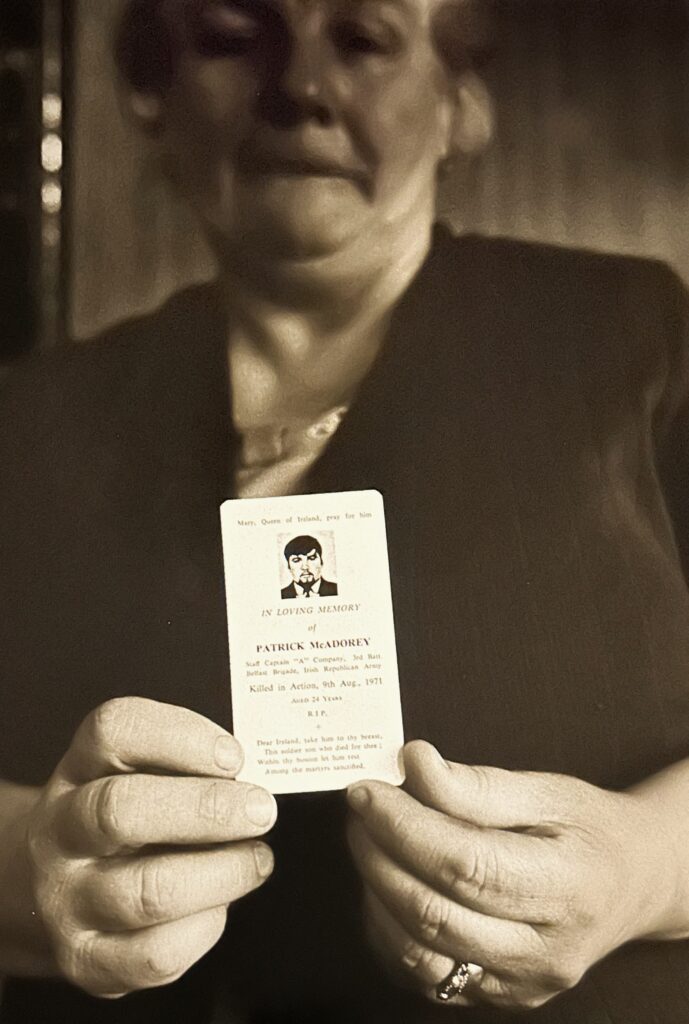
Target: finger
point(489, 797)
point(420, 964)
point(131, 733)
point(115, 964)
point(503, 874)
point(427, 969)
point(126, 812)
point(129, 893)
point(435, 921)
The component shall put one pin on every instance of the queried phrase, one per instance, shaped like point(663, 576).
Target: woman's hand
point(533, 877)
point(139, 843)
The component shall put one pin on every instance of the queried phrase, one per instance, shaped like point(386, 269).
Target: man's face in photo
point(306, 569)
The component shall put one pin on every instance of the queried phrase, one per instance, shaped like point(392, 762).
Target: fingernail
point(260, 806)
point(263, 856)
point(359, 798)
point(228, 754)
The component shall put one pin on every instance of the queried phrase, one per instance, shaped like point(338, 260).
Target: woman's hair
point(151, 34)
point(147, 44)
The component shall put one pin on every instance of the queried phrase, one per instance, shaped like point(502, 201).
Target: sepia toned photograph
point(420, 266)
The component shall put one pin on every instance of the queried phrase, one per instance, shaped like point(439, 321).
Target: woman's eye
point(357, 40)
point(226, 30)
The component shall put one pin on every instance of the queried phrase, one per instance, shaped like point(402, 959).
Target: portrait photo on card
point(307, 565)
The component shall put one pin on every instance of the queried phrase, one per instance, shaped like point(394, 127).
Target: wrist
point(24, 945)
point(662, 868)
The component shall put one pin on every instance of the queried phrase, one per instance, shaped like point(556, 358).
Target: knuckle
point(65, 904)
point(562, 976)
point(452, 875)
point(400, 822)
point(565, 909)
point(161, 963)
point(432, 916)
point(478, 877)
point(499, 993)
point(108, 810)
point(517, 998)
point(531, 1000)
point(154, 893)
point(165, 957)
point(415, 957)
point(400, 830)
point(404, 826)
point(89, 967)
point(558, 969)
point(215, 803)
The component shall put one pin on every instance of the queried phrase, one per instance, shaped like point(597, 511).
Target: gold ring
point(455, 983)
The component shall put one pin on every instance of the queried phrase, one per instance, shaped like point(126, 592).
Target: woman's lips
point(298, 165)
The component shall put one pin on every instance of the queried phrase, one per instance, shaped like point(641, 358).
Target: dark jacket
point(326, 589)
point(526, 424)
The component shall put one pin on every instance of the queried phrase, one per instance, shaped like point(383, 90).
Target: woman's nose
point(303, 85)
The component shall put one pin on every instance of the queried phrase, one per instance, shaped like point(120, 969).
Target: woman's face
point(297, 127)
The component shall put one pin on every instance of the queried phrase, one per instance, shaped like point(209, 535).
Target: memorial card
point(315, 689)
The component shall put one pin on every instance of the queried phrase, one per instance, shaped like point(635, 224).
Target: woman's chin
point(301, 242)
point(315, 228)
point(305, 246)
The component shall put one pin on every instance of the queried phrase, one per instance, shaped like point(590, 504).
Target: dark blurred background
point(20, 205)
point(591, 149)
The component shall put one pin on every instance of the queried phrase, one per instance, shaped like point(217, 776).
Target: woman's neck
point(302, 336)
point(288, 310)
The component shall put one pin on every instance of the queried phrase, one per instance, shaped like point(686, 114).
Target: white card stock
point(315, 689)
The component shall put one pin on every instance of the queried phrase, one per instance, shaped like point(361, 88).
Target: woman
point(520, 408)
